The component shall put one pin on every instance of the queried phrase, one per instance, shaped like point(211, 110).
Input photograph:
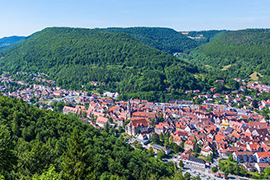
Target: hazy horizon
point(23, 18)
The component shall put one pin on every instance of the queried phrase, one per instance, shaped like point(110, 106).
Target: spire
point(128, 110)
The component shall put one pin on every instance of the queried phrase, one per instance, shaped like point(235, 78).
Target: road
point(204, 173)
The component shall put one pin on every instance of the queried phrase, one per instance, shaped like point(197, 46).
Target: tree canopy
point(42, 144)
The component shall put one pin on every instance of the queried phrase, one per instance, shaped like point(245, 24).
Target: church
point(136, 125)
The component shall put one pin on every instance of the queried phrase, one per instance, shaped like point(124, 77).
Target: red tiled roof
point(263, 154)
point(139, 122)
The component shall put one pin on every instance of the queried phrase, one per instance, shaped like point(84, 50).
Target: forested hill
point(37, 144)
point(204, 36)
point(164, 39)
point(238, 53)
point(7, 41)
point(74, 57)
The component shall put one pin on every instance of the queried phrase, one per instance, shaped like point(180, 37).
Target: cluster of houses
point(256, 85)
point(7, 80)
point(215, 128)
point(43, 80)
point(220, 129)
point(37, 77)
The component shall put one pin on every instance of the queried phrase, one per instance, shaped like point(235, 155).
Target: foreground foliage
point(45, 145)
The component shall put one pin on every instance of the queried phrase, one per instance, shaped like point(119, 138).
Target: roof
point(206, 149)
point(258, 125)
point(229, 130)
point(263, 154)
point(254, 147)
point(102, 120)
point(190, 142)
point(156, 146)
point(139, 122)
point(144, 114)
point(243, 153)
point(181, 133)
point(197, 160)
point(263, 165)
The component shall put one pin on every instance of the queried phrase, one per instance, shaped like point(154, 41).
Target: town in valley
point(200, 135)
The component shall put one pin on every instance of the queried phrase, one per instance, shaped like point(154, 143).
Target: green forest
point(237, 53)
point(8, 41)
point(164, 39)
point(74, 57)
point(137, 62)
point(208, 35)
point(38, 144)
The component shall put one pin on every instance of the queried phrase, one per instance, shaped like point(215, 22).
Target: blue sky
point(24, 17)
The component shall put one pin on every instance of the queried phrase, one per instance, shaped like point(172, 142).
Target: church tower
point(128, 110)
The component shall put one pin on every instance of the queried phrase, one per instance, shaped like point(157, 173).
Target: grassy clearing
point(208, 66)
point(254, 76)
point(226, 67)
point(199, 76)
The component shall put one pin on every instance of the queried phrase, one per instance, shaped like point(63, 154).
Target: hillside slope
point(7, 41)
point(164, 39)
point(74, 57)
point(204, 36)
point(35, 141)
point(238, 53)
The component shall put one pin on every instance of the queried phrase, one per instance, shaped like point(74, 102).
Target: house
point(177, 139)
point(229, 130)
point(119, 121)
point(157, 148)
point(206, 151)
point(261, 166)
point(161, 127)
point(217, 96)
point(189, 145)
point(262, 133)
point(254, 147)
point(57, 93)
point(102, 121)
point(143, 138)
point(68, 109)
point(262, 157)
point(243, 156)
point(258, 125)
point(249, 166)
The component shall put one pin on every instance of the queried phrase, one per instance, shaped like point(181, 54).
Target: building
point(128, 116)
point(137, 125)
point(262, 157)
point(261, 166)
point(189, 145)
point(161, 128)
point(102, 121)
point(206, 151)
point(157, 148)
point(196, 162)
point(143, 139)
point(68, 109)
point(243, 156)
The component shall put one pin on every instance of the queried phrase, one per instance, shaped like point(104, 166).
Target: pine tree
point(74, 165)
point(7, 156)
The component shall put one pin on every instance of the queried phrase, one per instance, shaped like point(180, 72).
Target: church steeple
point(128, 110)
